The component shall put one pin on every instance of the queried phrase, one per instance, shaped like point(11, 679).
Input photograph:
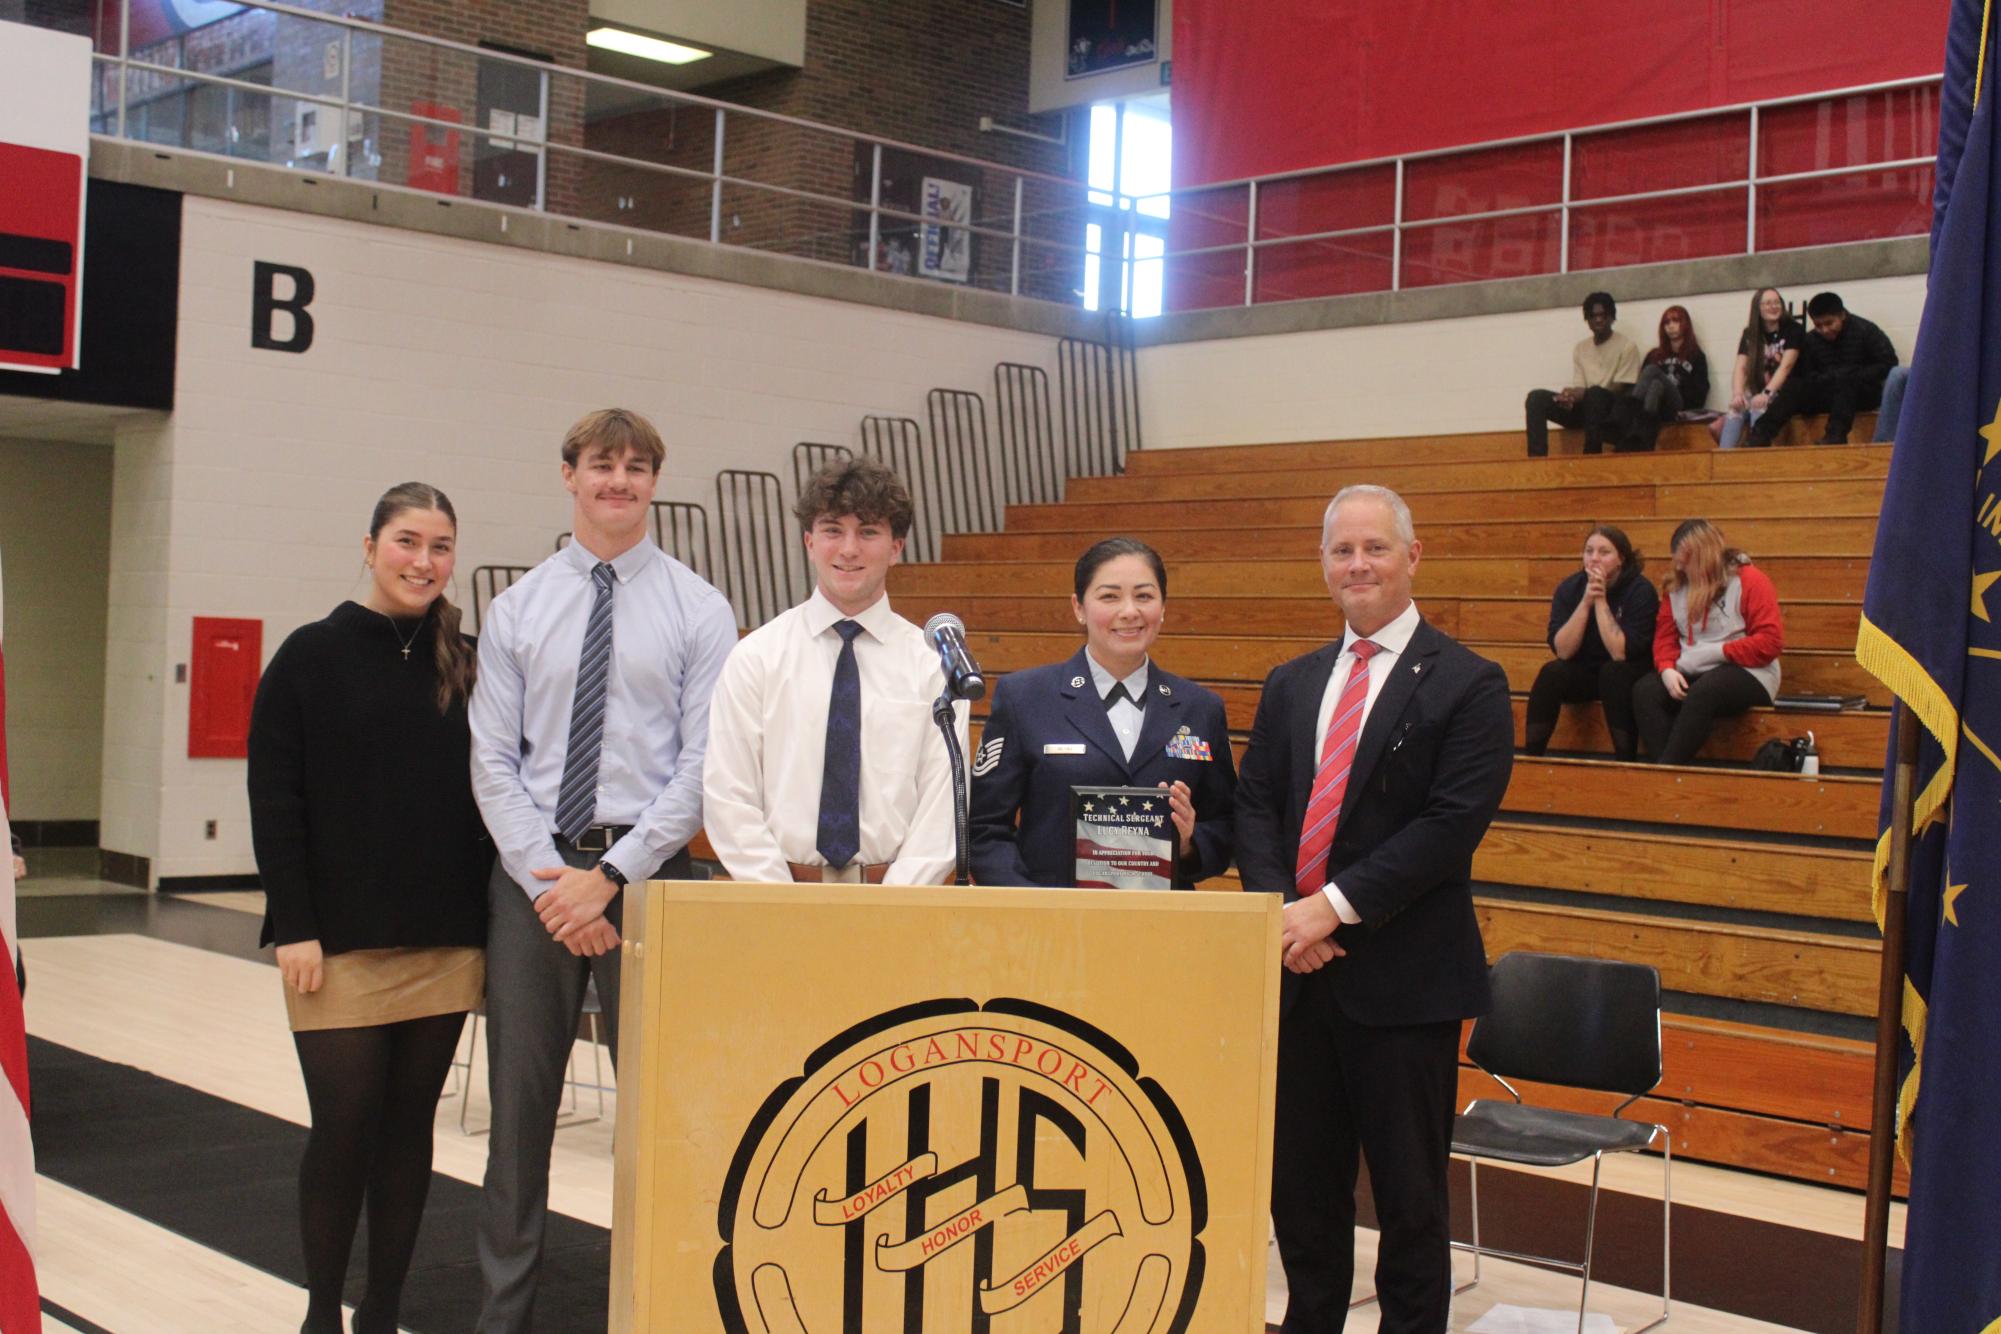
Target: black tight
point(1674, 730)
point(374, 1094)
point(1568, 681)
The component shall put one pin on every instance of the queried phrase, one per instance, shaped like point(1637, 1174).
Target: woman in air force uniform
point(1107, 717)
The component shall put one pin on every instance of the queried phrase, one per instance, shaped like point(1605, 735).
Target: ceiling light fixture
point(646, 48)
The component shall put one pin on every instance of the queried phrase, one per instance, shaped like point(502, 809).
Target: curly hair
point(863, 486)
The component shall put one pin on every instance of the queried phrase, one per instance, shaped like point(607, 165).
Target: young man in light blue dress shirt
point(589, 723)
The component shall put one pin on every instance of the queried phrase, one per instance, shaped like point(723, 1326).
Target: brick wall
point(922, 74)
point(414, 74)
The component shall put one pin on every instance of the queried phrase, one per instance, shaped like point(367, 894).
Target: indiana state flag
point(1931, 631)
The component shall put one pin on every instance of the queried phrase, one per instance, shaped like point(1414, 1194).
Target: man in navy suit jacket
point(1402, 775)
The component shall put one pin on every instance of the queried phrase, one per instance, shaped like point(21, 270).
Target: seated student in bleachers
point(1601, 629)
point(1842, 369)
point(1674, 377)
point(1717, 641)
point(1603, 368)
point(1106, 716)
point(1766, 356)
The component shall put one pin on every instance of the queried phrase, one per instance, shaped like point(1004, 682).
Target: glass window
point(1131, 167)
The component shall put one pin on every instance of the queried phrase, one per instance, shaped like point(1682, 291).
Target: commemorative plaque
point(1126, 838)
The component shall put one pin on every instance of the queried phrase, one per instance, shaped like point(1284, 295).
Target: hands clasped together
point(572, 909)
point(1307, 942)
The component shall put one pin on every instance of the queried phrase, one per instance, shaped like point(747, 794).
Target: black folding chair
point(1582, 1023)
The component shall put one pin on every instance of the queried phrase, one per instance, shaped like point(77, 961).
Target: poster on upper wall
point(44, 144)
point(1111, 34)
point(946, 252)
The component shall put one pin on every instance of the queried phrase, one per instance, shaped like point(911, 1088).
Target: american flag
point(20, 1302)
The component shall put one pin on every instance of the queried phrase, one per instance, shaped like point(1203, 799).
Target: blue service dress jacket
point(1048, 731)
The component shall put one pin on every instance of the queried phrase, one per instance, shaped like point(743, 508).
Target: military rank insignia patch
point(987, 756)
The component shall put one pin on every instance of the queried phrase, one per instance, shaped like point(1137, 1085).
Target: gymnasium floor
point(169, 1107)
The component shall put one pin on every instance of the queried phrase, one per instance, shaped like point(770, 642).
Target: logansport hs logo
point(950, 1167)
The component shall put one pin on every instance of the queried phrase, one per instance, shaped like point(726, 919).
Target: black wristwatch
point(612, 873)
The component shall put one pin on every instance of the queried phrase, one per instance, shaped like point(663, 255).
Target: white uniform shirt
point(768, 748)
point(1126, 717)
point(1390, 642)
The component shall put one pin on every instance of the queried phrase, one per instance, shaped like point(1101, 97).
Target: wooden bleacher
point(1748, 890)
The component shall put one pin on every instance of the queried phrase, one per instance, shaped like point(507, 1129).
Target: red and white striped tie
point(1330, 779)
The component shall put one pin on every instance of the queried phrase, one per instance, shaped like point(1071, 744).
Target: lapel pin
point(1164, 690)
point(1076, 682)
point(1416, 667)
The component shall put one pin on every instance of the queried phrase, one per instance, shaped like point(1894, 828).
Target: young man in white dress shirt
point(824, 763)
point(588, 725)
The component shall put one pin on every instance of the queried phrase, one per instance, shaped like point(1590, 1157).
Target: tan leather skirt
point(363, 988)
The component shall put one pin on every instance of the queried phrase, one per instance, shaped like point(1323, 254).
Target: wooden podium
point(846, 1109)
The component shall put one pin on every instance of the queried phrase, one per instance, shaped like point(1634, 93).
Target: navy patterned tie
point(841, 778)
point(576, 799)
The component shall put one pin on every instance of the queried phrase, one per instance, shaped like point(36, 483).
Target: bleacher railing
point(973, 468)
point(341, 94)
point(1852, 164)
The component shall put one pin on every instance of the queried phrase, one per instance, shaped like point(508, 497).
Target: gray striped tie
point(576, 800)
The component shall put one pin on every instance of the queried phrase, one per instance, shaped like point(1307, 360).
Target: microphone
point(947, 634)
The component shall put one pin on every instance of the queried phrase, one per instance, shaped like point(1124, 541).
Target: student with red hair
point(1673, 379)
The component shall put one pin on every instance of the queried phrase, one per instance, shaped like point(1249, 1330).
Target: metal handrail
point(1015, 237)
point(1552, 136)
point(1005, 220)
point(1563, 207)
point(386, 31)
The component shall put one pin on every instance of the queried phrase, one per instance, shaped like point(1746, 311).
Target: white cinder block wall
point(454, 363)
point(1436, 376)
point(57, 552)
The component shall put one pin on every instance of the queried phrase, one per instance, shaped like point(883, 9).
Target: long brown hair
point(455, 662)
point(1754, 336)
point(1712, 565)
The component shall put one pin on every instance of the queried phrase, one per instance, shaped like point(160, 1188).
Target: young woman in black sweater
point(374, 864)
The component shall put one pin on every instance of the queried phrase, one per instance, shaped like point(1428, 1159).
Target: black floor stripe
point(181, 920)
point(1796, 1277)
point(72, 1319)
point(226, 1177)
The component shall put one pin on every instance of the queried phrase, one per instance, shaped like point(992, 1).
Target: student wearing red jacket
point(1716, 645)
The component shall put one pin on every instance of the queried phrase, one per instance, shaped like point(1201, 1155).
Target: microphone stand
point(943, 714)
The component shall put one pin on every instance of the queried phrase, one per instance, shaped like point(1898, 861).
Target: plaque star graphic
point(1981, 583)
point(1125, 801)
point(1951, 905)
point(1991, 433)
point(1146, 805)
point(1088, 808)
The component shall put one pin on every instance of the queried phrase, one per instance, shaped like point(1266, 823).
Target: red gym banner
point(1286, 84)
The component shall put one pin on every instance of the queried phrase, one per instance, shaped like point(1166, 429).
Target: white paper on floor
point(1505, 1319)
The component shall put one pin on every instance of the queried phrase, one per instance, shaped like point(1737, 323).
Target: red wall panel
point(1466, 252)
point(1338, 267)
point(1286, 84)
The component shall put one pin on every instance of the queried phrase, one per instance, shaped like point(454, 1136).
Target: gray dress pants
point(534, 995)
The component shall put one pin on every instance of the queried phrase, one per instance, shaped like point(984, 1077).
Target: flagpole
point(1889, 1024)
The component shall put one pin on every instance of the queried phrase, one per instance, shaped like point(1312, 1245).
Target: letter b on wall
point(266, 302)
